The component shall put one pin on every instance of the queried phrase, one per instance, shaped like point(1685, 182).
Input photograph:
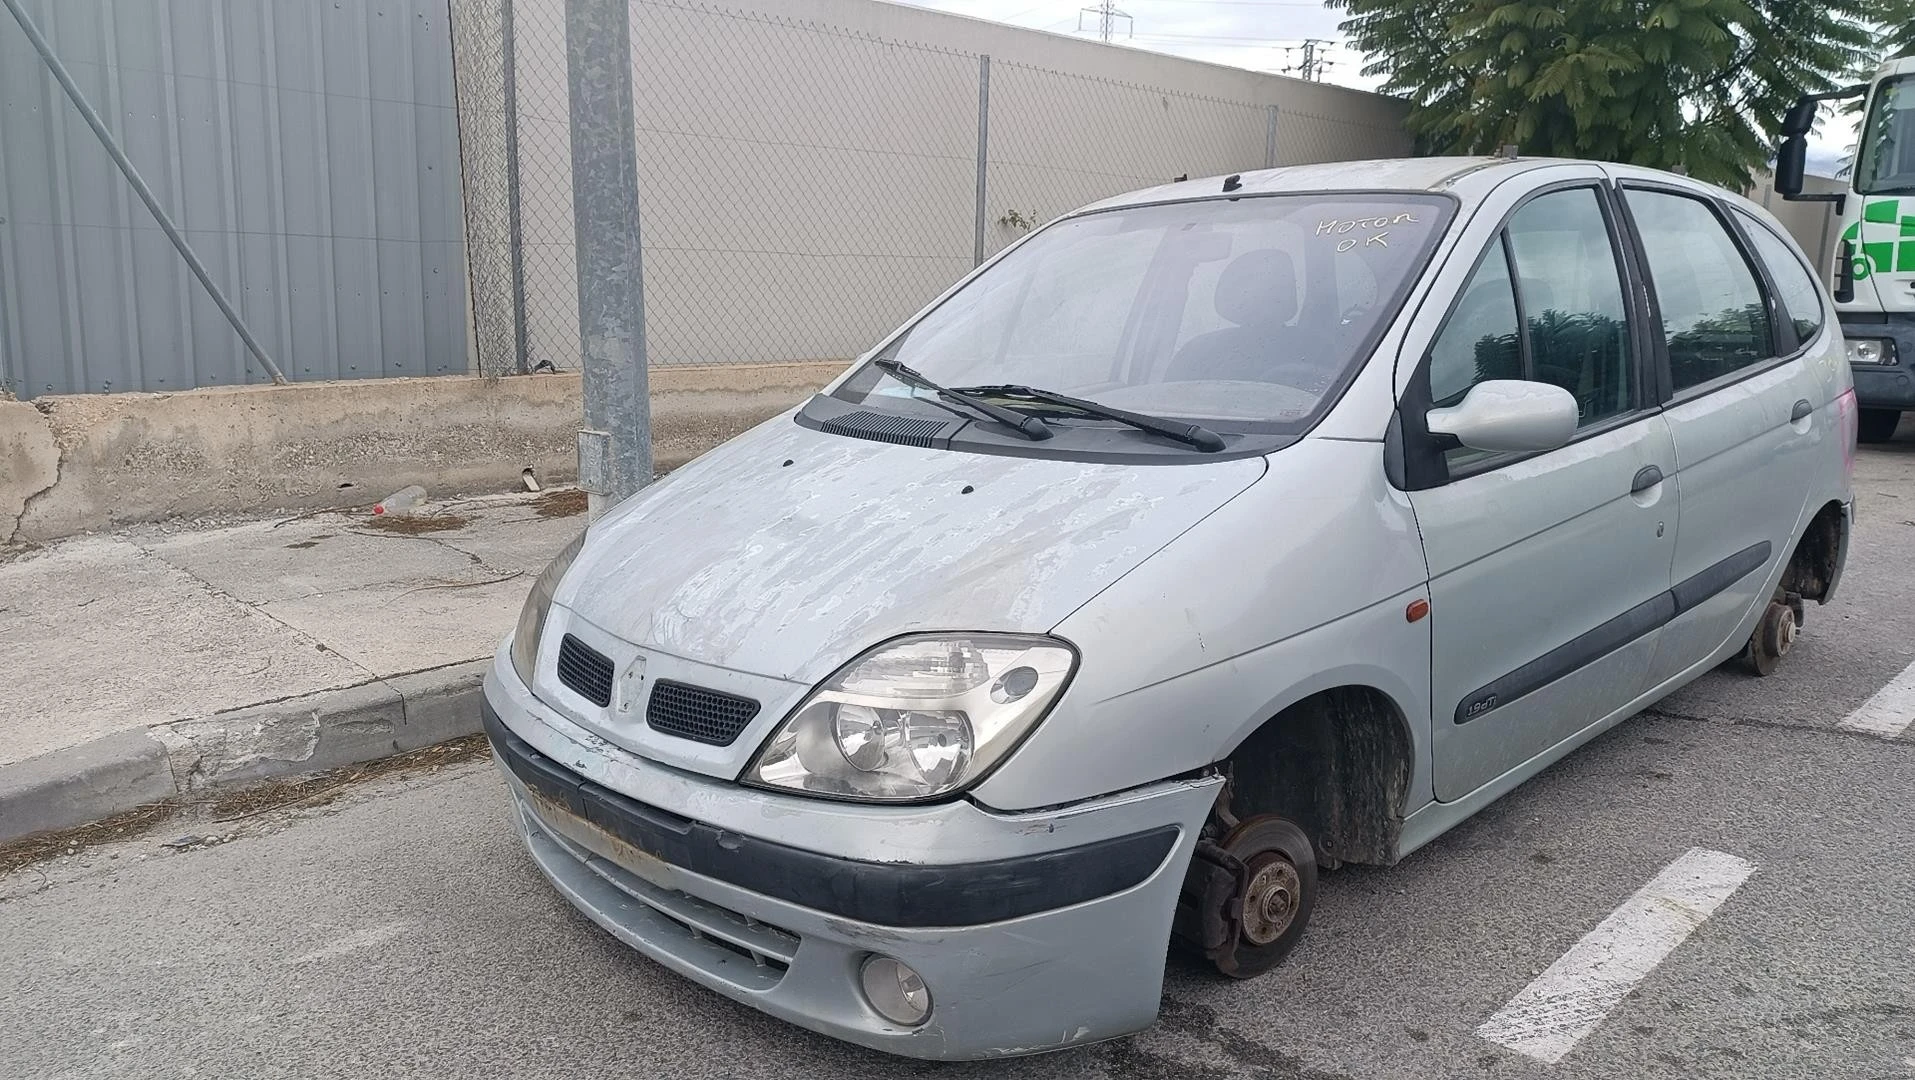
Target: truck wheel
point(1877, 425)
point(1277, 897)
point(1773, 638)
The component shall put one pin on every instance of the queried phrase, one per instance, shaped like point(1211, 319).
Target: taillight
point(1847, 420)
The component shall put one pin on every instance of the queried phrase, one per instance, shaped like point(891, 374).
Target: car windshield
point(1887, 165)
point(1245, 314)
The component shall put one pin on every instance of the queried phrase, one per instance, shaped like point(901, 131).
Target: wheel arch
point(1815, 566)
point(1339, 762)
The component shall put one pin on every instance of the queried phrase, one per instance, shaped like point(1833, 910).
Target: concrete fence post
point(983, 151)
point(1270, 137)
point(615, 445)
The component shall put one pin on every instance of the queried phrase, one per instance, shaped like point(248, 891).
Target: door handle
point(1646, 477)
point(1802, 409)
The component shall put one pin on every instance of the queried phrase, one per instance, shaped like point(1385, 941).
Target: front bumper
point(1033, 931)
point(1885, 386)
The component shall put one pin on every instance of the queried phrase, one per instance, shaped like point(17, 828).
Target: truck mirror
point(1801, 115)
point(1790, 160)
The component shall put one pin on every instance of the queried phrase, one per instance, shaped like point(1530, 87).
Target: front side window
point(1576, 322)
point(1573, 330)
point(1795, 287)
point(1886, 153)
point(1713, 314)
point(1241, 314)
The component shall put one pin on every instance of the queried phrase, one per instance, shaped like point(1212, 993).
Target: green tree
point(1901, 35)
point(1699, 85)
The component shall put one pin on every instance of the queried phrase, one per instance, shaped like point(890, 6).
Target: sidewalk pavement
point(158, 660)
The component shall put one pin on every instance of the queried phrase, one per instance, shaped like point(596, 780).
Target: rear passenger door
point(1747, 410)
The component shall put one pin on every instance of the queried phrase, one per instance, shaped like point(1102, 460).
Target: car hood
point(787, 551)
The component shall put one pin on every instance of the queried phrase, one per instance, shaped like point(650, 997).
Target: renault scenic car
point(1206, 540)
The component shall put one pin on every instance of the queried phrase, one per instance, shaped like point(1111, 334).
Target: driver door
point(1549, 571)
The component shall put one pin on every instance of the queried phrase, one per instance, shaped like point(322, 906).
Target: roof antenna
point(1180, 179)
point(1508, 151)
point(1233, 181)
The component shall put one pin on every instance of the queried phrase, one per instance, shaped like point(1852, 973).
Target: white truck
point(1874, 265)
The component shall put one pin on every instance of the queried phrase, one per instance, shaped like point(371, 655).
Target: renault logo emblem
point(631, 686)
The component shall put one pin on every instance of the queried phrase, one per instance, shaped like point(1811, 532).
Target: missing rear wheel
point(1773, 638)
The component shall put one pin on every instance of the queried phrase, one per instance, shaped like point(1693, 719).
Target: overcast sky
point(1259, 34)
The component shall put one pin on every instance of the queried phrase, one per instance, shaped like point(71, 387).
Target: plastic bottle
point(403, 501)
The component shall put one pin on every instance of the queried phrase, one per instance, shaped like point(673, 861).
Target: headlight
point(1871, 351)
point(916, 718)
point(525, 640)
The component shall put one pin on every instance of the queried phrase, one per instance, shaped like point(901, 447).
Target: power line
point(1243, 3)
point(1228, 37)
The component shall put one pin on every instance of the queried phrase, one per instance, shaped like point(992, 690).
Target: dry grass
point(416, 524)
point(560, 502)
point(222, 807)
point(33, 849)
point(321, 788)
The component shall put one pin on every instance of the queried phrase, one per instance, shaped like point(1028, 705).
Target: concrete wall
point(70, 463)
point(808, 168)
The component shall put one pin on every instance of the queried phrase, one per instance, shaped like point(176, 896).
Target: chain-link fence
point(805, 187)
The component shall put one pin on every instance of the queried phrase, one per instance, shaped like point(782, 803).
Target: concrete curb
point(311, 733)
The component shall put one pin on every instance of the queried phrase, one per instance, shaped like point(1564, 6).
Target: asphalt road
point(400, 931)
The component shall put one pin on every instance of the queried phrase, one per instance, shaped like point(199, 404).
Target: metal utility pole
point(1107, 15)
point(1313, 64)
point(515, 228)
point(615, 445)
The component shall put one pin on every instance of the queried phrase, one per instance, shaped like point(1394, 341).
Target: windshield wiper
point(1191, 434)
point(1029, 426)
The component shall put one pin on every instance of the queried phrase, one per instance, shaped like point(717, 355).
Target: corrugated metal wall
point(308, 149)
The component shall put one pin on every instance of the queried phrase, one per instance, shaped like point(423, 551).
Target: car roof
point(1466, 176)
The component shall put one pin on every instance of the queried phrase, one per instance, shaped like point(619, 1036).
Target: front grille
point(585, 671)
point(698, 714)
point(881, 427)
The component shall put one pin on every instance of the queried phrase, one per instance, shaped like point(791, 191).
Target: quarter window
point(1795, 287)
point(1479, 341)
point(1713, 313)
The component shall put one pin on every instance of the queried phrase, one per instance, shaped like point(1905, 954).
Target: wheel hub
point(1270, 903)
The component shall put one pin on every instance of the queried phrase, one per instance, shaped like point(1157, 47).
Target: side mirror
point(1790, 161)
point(1509, 415)
point(1801, 116)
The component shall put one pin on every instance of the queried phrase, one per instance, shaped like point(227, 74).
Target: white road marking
point(353, 942)
point(1568, 1001)
point(1889, 712)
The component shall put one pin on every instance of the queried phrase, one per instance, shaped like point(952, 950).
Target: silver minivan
point(1208, 539)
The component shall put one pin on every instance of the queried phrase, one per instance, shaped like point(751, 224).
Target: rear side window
point(1713, 314)
point(1795, 287)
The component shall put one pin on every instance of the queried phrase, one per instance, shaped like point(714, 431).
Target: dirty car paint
point(855, 542)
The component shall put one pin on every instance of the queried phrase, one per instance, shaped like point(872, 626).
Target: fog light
point(1871, 351)
point(895, 991)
